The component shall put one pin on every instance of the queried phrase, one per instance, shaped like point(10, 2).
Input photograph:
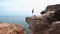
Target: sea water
point(15, 20)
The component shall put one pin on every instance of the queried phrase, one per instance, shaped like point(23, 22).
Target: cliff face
point(37, 25)
point(47, 23)
point(51, 8)
point(6, 28)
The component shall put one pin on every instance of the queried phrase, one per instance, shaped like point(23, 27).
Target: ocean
point(15, 20)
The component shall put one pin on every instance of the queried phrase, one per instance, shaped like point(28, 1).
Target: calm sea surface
point(16, 20)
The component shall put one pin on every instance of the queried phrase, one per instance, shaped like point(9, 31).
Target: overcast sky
point(24, 7)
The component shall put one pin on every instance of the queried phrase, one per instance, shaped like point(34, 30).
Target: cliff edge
point(47, 23)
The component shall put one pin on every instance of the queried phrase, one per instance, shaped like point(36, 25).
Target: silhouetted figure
point(32, 11)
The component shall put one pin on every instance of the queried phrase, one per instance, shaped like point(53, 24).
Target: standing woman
point(32, 11)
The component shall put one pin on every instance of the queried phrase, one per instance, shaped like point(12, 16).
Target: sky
point(24, 7)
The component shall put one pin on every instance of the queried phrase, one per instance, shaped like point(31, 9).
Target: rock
point(57, 15)
point(37, 25)
point(47, 23)
point(51, 8)
point(56, 28)
point(6, 28)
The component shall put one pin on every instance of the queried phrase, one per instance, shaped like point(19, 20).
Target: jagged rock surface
point(6, 28)
point(51, 8)
point(47, 23)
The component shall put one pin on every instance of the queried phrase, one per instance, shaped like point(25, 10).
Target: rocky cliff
point(47, 23)
point(6, 28)
point(51, 8)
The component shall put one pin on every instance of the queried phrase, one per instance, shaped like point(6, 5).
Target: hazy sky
point(24, 7)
